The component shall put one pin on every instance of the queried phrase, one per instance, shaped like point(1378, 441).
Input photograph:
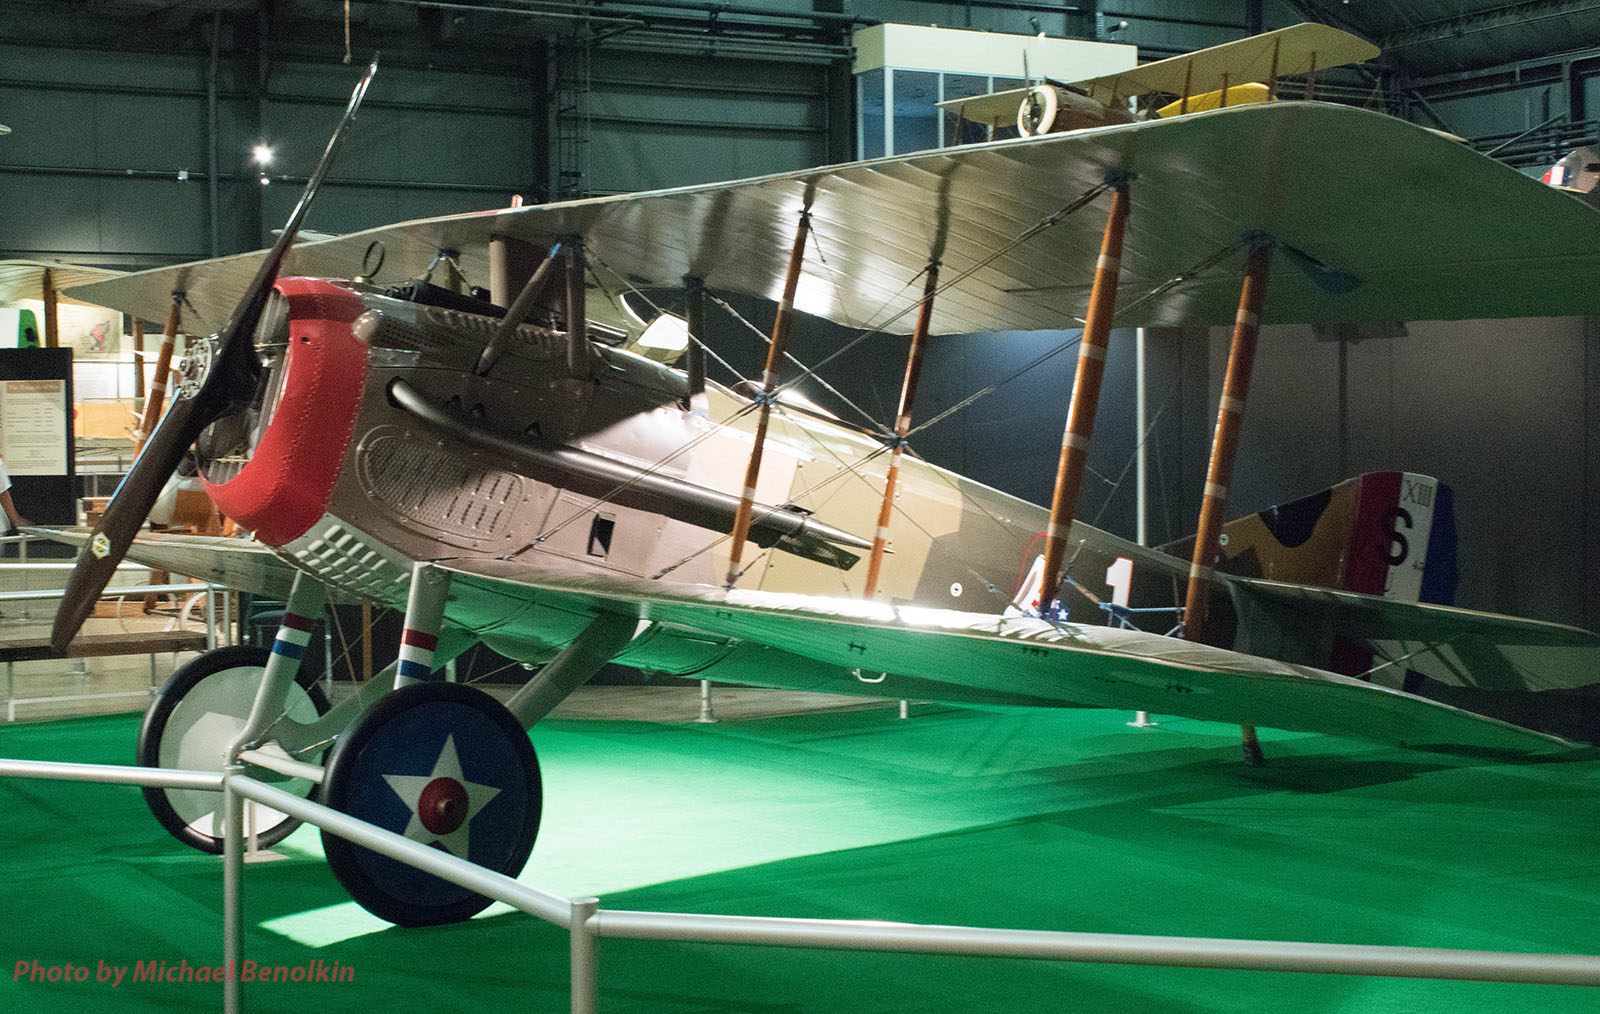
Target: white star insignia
point(442, 803)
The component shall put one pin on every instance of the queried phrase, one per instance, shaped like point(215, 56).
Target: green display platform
point(1061, 820)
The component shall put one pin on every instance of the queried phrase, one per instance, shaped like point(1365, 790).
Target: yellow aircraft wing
point(996, 109)
point(1294, 50)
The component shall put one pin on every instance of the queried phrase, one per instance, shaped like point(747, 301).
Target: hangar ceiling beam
point(1516, 14)
point(1398, 83)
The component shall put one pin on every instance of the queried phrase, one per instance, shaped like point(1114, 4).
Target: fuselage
point(401, 453)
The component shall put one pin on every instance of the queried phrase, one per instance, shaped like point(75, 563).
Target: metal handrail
point(114, 774)
point(111, 592)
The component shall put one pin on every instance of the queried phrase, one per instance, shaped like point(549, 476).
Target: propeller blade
point(125, 515)
point(227, 385)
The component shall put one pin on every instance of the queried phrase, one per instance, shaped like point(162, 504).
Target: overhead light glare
point(262, 154)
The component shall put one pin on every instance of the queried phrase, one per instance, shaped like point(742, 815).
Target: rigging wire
point(1048, 221)
point(872, 420)
point(1044, 223)
point(630, 287)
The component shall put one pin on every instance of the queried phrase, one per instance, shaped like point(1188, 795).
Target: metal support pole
point(769, 383)
point(1141, 475)
point(430, 590)
point(585, 988)
point(695, 355)
point(1085, 398)
point(11, 694)
point(706, 714)
point(1224, 445)
point(577, 313)
point(327, 652)
point(232, 889)
point(213, 184)
point(211, 617)
point(902, 426)
point(1141, 491)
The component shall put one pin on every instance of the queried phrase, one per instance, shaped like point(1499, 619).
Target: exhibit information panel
point(33, 426)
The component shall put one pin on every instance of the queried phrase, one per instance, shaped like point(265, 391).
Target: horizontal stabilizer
point(1376, 618)
point(1543, 676)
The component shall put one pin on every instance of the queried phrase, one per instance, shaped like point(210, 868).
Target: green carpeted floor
point(1060, 820)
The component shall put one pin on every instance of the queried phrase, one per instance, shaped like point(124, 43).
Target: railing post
point(584, 988)
point(211, 617)
point(22, 561)
point(232, 874)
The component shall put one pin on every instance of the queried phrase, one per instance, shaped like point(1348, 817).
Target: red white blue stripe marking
point(294, 633)
point(416, 654)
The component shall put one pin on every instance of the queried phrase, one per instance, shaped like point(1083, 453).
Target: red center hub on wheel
point(442, 806)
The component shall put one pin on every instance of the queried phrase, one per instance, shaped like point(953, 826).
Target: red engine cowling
point(284, 486)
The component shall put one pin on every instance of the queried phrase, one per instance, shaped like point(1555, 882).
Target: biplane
point(1241, 72)
point(505, 457)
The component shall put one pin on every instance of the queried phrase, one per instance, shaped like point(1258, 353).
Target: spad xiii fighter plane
point(522, 468)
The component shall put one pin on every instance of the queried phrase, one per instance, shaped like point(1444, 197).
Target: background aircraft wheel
point(444, 764)
point(191, 724)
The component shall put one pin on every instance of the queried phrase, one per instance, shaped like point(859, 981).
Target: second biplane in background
point(1233, 74)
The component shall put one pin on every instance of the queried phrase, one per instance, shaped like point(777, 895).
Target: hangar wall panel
point(1500, 410)
point(100, 138)
point(659, 120)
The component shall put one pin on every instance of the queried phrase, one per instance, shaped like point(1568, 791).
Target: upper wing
point(24, 279)
point(1429, 228)
point(1019, 661)
point(1285, 52)
point(1288, 51)
point(241, 564)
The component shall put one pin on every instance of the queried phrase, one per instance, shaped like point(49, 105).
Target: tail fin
point(1382, 533)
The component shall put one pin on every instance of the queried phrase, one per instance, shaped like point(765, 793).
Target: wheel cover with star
point(444, 764)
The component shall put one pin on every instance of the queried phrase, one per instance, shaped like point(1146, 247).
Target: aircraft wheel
point(191, 723)
point(444, 764)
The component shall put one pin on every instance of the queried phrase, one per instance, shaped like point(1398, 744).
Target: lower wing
point(940, 654)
